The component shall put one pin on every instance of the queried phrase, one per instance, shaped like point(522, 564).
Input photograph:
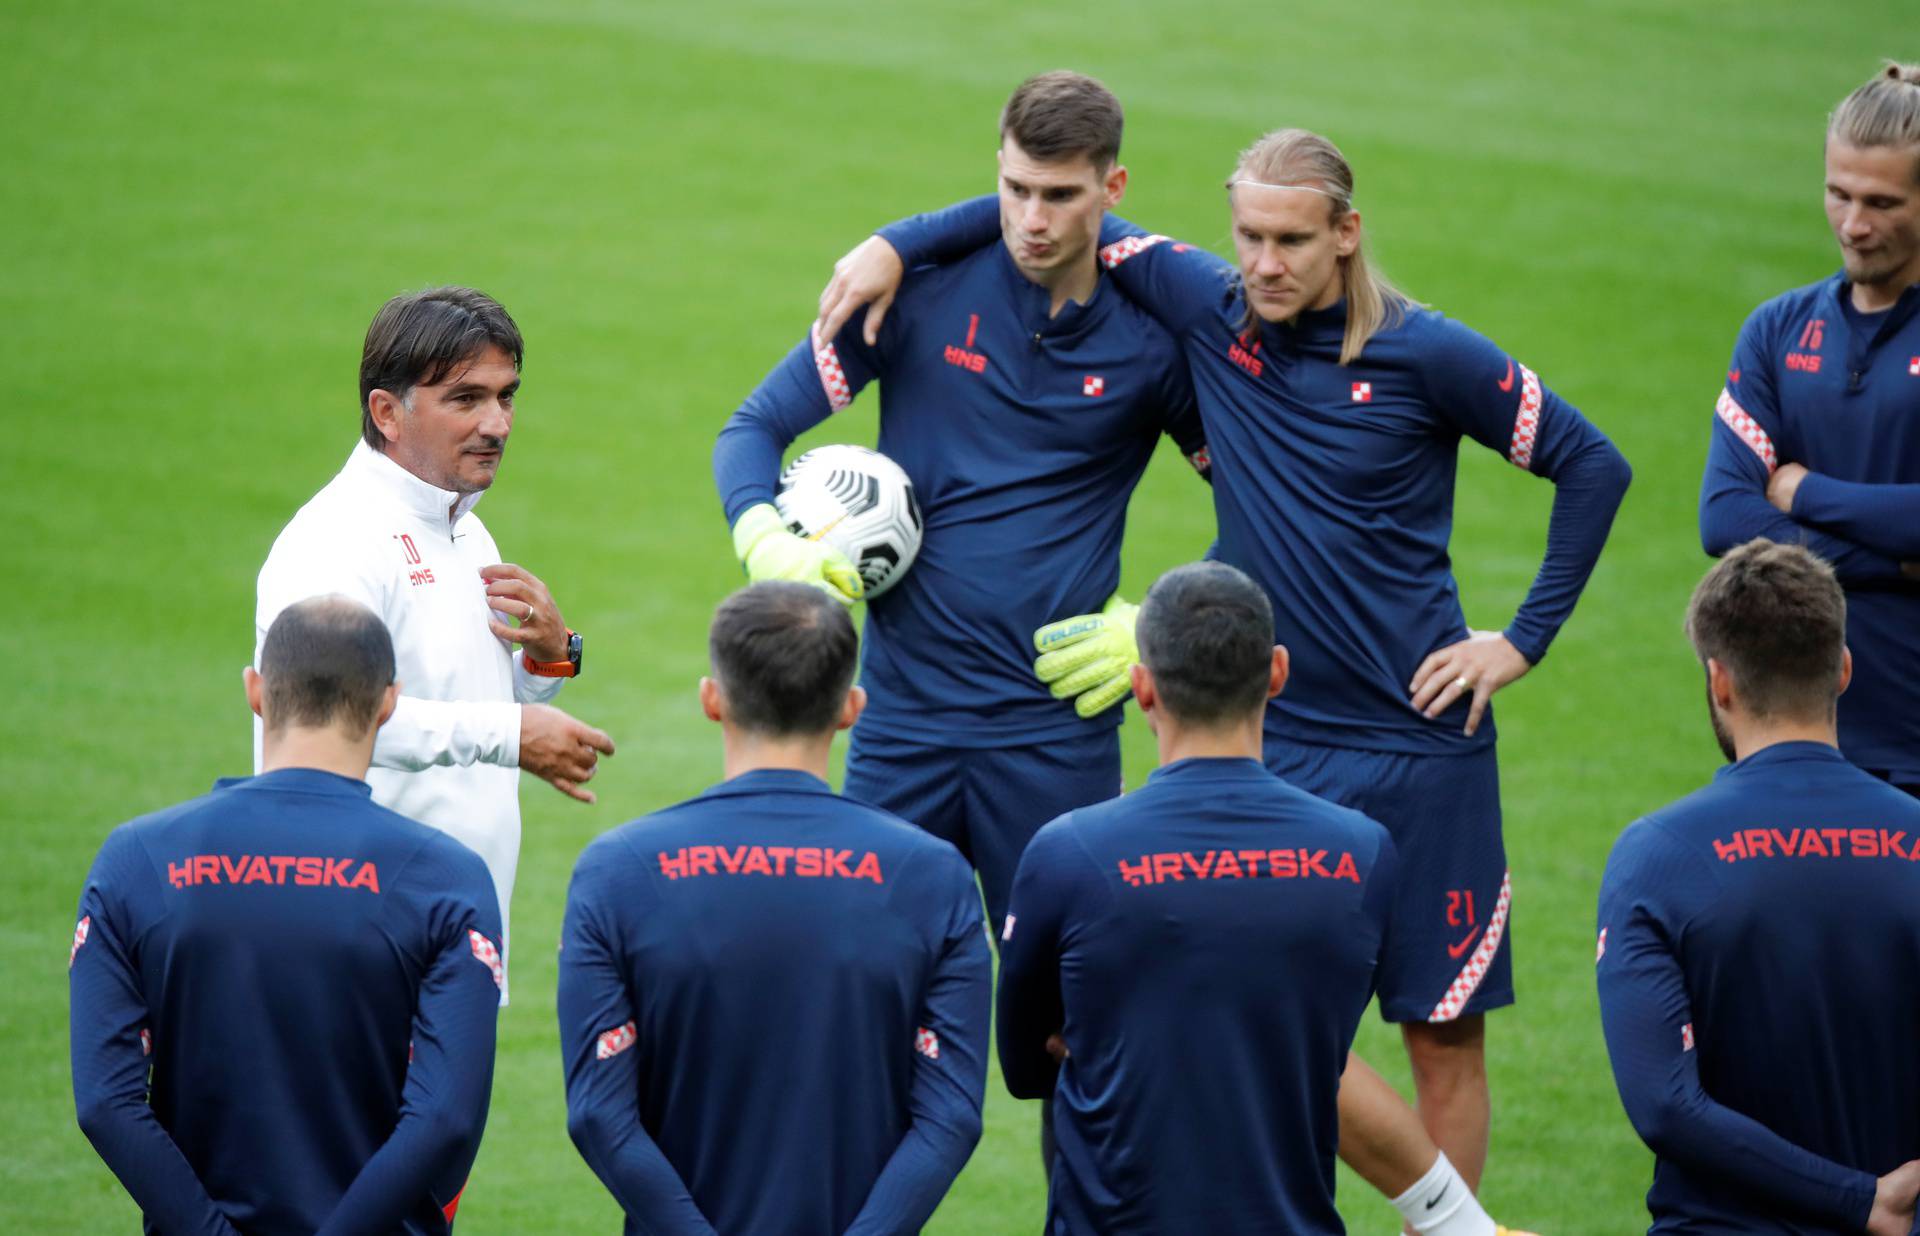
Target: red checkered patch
point(1006, 931)
point(1600, 949)
point(927, 1043)
point(1468, 980)
point(487, 955)
point(1913, 366)
point(833, 379)
point(1686, 1037)
point(1121, 250)
point(1730, 411)
point(1526, 421)
point(80, 931)
point(1093, 385)
point(1201, 459)
point(146, 1041)
point(1363, 392)
point(615, 1041)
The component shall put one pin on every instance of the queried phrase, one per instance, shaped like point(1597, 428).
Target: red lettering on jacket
point(300, 870)
point(1183, 865)
point(1833, 842)
point(776, 861)
point(972, 362)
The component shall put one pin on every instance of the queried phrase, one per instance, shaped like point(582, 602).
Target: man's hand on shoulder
point(1783, 485)
point(1893, 1201)
point(560, 750)
point(869, 275)
point(515, 592)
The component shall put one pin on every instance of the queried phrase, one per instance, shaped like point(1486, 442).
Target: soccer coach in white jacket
point(395, 530)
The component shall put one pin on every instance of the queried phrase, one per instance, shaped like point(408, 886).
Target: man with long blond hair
point(1334, 408)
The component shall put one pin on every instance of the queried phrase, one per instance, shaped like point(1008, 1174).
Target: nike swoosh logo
point(1454, 950)
point(1506, 383)
point(1435, 1199)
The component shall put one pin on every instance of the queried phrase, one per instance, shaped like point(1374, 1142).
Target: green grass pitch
point(203, 204)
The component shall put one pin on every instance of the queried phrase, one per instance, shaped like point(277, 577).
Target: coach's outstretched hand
point(1480, 664)
point(869, 275)
point(768, 551)
point(1090, 656)
point(1894, 1202)
point(560, 750)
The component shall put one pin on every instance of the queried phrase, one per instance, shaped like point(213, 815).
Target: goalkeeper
point(1024, 399)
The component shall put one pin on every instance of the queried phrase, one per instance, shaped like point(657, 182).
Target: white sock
point(1440, 1204)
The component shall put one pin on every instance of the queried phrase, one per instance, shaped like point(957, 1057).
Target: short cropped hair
point(784, 655)
point(326, 661)
point(421, 338)
point(1206, 634)
point(1060, 115)
point(1775, 617)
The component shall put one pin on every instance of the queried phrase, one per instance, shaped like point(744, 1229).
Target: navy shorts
point(987, 801)
point(1448, 953)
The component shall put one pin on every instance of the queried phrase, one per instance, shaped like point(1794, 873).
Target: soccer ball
point(858, 501)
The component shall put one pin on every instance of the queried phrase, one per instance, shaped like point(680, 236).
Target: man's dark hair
point(1206, 634)
point(1060, 115)
point(784, 655)
point(1775, 617)
point(421, 338)
point(326, 661)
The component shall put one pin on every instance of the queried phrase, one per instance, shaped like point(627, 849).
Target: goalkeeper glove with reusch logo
point(768, 551)
point(1090, 656)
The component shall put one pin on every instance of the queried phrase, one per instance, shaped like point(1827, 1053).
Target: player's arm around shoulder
point(1181, 285)
point(821, 376)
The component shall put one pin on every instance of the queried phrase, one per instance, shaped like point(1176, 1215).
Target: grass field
point(203, 205)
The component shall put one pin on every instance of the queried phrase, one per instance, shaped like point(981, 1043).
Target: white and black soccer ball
point(858, 501)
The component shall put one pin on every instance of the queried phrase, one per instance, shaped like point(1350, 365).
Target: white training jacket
point(412, 552)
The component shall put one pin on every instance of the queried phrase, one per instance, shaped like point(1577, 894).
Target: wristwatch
point(569, 668)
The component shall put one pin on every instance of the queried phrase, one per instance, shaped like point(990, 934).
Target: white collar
point(429, 501)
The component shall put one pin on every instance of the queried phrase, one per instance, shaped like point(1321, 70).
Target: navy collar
point(1212, 768)
point(1035, 302)
point(1307, 326)
point(1785, 753)
point(769, 780)
point(299, 781)
point(1838, 291)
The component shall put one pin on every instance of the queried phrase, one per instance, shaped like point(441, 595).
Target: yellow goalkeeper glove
point(768, 551)
point(1090, 656)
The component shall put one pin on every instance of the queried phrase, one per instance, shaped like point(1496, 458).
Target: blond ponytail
point(1885, 111)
